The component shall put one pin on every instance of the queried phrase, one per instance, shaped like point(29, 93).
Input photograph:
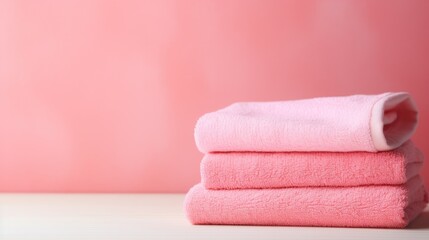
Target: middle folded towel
point(241, 170)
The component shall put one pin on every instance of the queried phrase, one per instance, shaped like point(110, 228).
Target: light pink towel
point(370, 206)
point(296, 169)
point(336, 124)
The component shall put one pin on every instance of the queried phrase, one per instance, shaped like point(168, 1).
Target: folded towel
point(296, 169)
point(369, 206)
point(336, 124)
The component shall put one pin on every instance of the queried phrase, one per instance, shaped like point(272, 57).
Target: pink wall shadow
point(102, 96)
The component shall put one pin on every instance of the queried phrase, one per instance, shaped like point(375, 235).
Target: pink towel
point(369, 206)
point(336, 124)
point(296, 169)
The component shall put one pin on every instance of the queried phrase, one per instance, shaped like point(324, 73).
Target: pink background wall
point(102, 96)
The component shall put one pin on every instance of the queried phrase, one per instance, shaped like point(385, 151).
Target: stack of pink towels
point(334, 161)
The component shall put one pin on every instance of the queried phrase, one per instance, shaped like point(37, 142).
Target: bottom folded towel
point(366, 206)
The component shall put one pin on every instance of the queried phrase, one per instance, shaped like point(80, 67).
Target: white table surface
point(151, 216)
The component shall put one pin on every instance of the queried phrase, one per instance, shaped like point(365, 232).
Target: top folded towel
point(368, 123)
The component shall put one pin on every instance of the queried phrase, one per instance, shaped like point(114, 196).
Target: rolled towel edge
point(389, 133)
